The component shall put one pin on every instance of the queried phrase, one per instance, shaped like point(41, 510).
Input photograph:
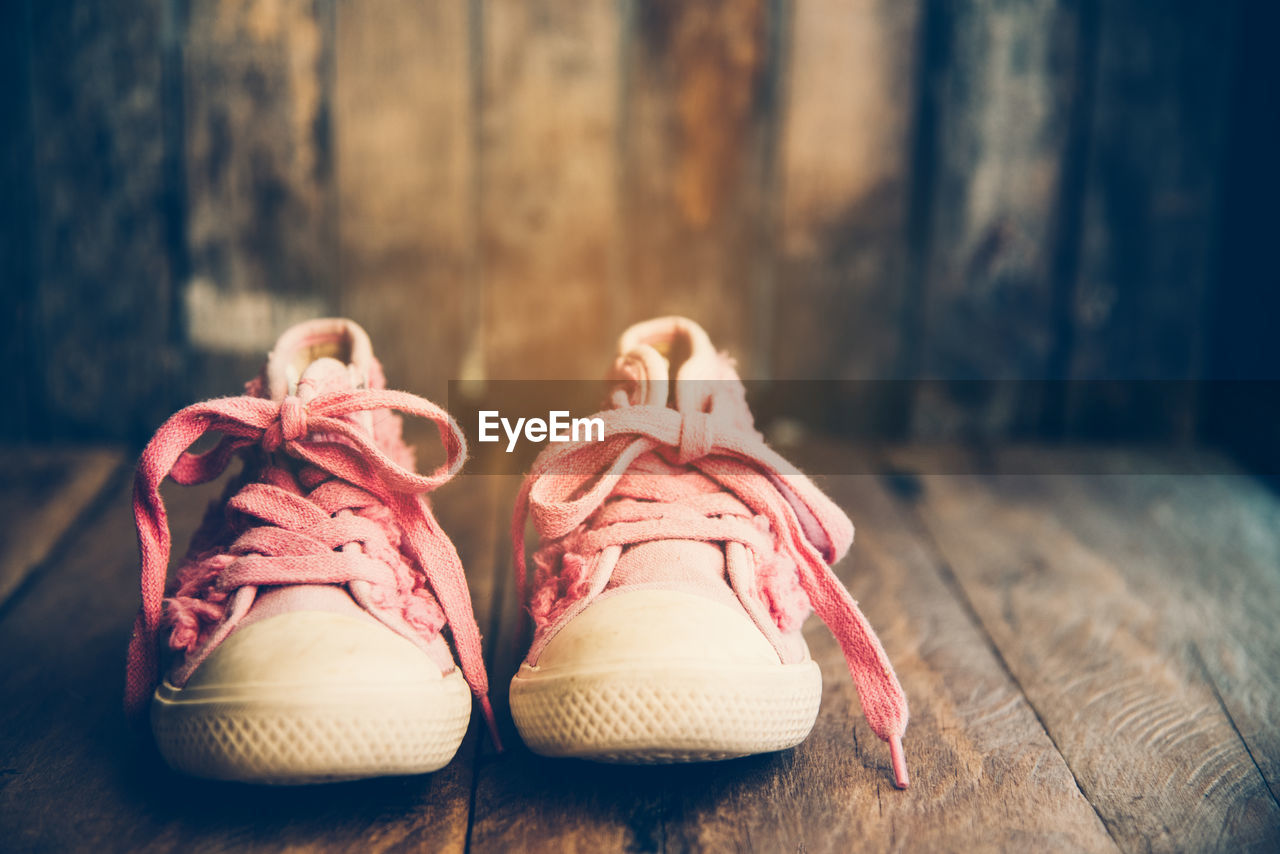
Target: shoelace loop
point(318, 433)
point(569, 483)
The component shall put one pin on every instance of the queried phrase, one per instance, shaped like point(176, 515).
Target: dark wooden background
point(872, 189)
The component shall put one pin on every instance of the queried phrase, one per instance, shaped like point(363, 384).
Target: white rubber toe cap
point(315, 651)
point(656, 628)
point(308, 697)
point(662, 676)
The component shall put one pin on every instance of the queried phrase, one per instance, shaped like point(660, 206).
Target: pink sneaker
point(304, 632)
point(678, 560)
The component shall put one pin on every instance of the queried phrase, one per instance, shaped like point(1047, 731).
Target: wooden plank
point(101, 240)
point(845, 162)
point(590, 807)
point(1203, 545)
point(403, 134)
point(548, 198)
point(697, 158)
point(1107, 668)
point(977, 751)
point(1148, 247)
point(540, 805)
point(1002, 101)
point(261, 223)
point(978, 754)
point(77, 777)
point(17, 227)
point(42, 493)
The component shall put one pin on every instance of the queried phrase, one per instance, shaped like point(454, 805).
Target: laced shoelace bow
point(569, 483)
point(318, 433)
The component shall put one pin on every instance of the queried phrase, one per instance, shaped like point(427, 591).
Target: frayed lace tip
point(899, 759)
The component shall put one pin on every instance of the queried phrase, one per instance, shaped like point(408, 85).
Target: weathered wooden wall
point(869, 189)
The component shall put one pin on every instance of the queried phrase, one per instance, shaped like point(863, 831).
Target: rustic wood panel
point(527, 803)
point(1107, 668)
point(696, 143)
point(17, 227)
point(978, 754)
point(101, 319)
point(1202, 544)
point(845, 184)
point(404, 128)
point(1148, 240)
point(548, 197)
point(42, 493)
point(260, 217)
point(76, 777)
point(1001, 95)
point(522, 180)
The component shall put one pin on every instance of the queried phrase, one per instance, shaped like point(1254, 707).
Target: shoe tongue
point(315, 346)
point(655, 352)
point(649, 353)
point(325, 375)
point(685, 565)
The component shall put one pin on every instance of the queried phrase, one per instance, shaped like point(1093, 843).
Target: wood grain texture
point(549, 94)
point(1148, 244)
point(845, 158)
point(101, 316)
point(404, 148)
point(979, 756)
point(1107, 668)
point(526, 803)
point(1203, 546)
point(42, 493)
point(259, 174)
point(1002, 93)
point(498, 187)
point(76, 777)
point(696, 146)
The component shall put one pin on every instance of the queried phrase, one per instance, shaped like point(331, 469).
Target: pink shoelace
point(344, 470)
point(602, 496)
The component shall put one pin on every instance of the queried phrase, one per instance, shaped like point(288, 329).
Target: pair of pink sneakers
point(312, 629)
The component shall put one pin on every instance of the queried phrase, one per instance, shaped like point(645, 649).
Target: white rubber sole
point(653, 676)
point(317, 724)
point(672, 714)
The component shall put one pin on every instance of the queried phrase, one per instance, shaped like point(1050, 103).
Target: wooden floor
point(1088, 640)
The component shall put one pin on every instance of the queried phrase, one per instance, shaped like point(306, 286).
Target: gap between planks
point(1078, 586)
point(948, 577)
point(46, 495)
